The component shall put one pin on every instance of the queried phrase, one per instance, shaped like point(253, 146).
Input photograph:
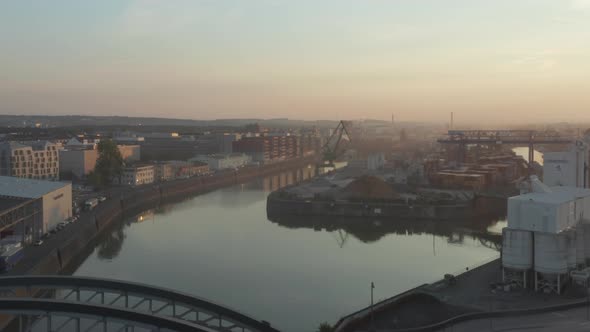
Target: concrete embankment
point(65, 250)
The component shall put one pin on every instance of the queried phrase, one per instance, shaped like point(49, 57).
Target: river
point(221, 246)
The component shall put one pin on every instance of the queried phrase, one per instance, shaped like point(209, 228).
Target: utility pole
point(372, 313)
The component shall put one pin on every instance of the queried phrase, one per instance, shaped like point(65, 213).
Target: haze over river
point(221, 246)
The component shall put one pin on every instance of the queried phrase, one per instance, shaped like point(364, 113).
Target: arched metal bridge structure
point(66, 303)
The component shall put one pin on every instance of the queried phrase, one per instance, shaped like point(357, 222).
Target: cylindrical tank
point(586, 230)
point(551, 253)
point(572, 250)
point(517, 249)
point(580, 245)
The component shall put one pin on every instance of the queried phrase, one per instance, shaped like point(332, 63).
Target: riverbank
point(61, 252)
point(279, 205)
point(438, 305)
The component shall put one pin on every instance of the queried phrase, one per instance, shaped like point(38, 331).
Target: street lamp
point(372, 314)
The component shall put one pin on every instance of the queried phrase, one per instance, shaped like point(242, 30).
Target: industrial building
point(34, 160)
point(567, 168)
point(53, 199)
point(546, 237)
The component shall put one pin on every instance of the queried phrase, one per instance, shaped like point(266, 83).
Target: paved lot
point(570, 320)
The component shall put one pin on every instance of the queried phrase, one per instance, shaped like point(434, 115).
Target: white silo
point(551, 260)
point(572, 249)
point(517, 255)
point(580, 245)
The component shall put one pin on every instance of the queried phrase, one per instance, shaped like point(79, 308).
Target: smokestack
point(451, 121)
point(392, 119)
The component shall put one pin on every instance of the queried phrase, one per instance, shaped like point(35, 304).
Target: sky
point(504, 61)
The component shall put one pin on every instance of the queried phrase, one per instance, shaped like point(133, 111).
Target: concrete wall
point(57, 206)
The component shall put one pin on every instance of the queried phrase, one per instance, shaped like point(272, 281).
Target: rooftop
point(557, 195)
point(27, 188)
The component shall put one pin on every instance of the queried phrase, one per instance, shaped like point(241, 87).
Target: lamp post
point(372, 314)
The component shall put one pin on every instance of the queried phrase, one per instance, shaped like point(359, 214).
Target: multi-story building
point(35, 160)
point(177, 169)
point(79, 158)
point(77, 163)
point(164, 172)
point(269, 147)
point(53, 200)
point(137, 175)
point(223, 161)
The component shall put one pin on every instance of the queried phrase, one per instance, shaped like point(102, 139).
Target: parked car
point(102, 198)
point(38, 242)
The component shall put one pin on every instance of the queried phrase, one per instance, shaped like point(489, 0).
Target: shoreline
point(59, 254)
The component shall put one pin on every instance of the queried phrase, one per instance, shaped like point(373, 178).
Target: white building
point(56, 198)
point(137, 175)
point(567, 168)
point(546, 233)
point(224, 161)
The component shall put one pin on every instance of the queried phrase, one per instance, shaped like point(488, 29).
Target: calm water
point(222, 247)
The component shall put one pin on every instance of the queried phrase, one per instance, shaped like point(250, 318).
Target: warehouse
point(55, 197)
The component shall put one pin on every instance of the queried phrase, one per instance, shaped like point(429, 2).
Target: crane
point(333, 147)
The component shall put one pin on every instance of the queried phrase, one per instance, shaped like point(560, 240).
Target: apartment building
point(34, 160)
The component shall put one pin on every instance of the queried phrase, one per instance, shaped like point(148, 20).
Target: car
point(38, 242)
point(102, 198)
point(53, 231)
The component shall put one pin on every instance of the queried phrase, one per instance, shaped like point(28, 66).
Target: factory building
point(54, 198)
point(567, 168)
point(545, 236)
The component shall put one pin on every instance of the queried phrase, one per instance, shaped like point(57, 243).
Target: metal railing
point(133, 296)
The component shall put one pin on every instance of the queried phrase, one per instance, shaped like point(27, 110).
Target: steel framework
point(131, 297)
point(513, 137)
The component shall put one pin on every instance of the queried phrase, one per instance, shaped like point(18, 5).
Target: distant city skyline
point(487, 61)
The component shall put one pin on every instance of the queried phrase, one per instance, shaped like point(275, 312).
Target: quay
point(62, 252)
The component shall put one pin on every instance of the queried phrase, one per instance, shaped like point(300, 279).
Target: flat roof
point(28, 188)
point(558, 195)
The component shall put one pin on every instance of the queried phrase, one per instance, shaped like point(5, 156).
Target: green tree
point(109, 164)
point(325, 327)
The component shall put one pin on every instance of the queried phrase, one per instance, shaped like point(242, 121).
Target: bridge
point(66, 303)
point(528, 138)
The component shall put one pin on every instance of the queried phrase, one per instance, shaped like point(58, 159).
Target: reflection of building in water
point(368, 231)
point(278, 181)
point(144, 216)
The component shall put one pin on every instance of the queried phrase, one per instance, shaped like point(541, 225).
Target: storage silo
point(551, 260)
point(572, 249)
point(517, 255)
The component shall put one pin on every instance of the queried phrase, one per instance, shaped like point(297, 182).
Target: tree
point(109, 164)
point(325, 327)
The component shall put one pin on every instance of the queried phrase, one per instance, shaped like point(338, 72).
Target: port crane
point(334, 147)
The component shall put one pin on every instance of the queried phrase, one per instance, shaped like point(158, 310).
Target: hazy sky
point(500, 60)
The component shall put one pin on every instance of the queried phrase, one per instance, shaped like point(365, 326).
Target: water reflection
point(110, 246)
point(232, 254)
point(369, 231)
